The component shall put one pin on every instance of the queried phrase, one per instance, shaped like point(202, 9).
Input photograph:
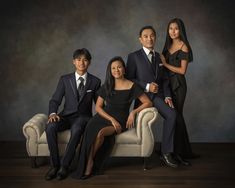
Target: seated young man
point(79, 92)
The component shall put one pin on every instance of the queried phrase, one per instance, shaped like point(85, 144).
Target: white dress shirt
point(77, 76)
point(147, 52)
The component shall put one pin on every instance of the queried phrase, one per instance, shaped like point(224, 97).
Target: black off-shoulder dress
point(178, 85)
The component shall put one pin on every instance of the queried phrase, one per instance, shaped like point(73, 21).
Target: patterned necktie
point(81, 86)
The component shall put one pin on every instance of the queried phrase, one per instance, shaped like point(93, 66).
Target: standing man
point(145, 68)
point(79, 91)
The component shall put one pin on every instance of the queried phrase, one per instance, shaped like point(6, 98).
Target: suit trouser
point(76, 125)
point(169, 115)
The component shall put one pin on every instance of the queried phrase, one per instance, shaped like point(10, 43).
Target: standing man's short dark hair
point(147, 27)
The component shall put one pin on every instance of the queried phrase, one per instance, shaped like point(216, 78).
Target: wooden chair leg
point(34, 162)
point(145, 163)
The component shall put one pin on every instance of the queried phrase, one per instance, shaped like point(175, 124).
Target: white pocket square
point(88, 91)
point(160, 64)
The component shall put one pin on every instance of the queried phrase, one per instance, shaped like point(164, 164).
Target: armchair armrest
point(32, 130)
point(145, 120)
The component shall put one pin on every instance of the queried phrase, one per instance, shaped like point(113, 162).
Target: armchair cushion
point(128, 137)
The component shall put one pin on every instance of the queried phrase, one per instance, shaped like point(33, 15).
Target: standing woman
point(177, 54)
point(113, 117)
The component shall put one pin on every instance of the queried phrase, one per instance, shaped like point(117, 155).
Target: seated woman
point(113, 117)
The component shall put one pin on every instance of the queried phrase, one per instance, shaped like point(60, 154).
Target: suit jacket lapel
point(158, 60)
point(74, 85)
point(156, 63)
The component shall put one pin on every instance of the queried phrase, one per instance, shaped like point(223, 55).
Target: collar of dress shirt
point(77, 76)
point(147, 51)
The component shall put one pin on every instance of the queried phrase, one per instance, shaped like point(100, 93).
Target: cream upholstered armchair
point(136, 142)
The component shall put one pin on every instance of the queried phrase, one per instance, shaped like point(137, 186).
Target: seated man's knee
point(50, 128)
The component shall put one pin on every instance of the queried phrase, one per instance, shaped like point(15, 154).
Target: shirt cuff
point(52, 113)
point(168, 98)
point(147, 87)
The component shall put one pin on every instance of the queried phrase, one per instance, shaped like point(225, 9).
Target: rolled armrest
point(32, 130)
point(37, 123)
point(145, 119)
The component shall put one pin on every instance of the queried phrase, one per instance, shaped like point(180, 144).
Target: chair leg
point(34, 162)
point(145, 163)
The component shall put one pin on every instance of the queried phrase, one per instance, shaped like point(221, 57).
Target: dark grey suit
point(76, 113)
point(140, 70)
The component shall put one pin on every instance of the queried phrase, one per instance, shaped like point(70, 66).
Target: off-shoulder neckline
point(176, 51)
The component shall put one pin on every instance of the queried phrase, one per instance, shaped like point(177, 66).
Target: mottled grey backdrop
point(38, 38)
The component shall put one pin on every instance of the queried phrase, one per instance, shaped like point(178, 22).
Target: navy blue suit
point(141, 71)
point(76, 113)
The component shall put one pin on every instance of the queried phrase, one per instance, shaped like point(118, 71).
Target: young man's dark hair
point(80, 52)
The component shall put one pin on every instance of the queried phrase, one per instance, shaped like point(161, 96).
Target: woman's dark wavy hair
point(109, 83)
point(183, 37)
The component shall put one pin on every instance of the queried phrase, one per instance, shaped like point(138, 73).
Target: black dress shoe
point(52, 173)
point(182, 161)
point(169, 160)
point(84, 177)
point(62, 173)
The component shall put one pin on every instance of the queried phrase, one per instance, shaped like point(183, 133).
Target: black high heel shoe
point(84, 177)
point(182, 161)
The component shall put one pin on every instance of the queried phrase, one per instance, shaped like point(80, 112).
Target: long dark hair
point(109, 82)
point(182, 36)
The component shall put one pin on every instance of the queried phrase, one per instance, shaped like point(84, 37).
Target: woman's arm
point(145, 104)
point(183, 64)
point(99, 109)
point(179, 70)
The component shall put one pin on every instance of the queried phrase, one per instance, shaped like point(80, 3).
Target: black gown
point(178, 86)
point(118, 107)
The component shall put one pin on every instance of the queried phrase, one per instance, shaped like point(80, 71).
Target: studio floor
point(215, 168)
